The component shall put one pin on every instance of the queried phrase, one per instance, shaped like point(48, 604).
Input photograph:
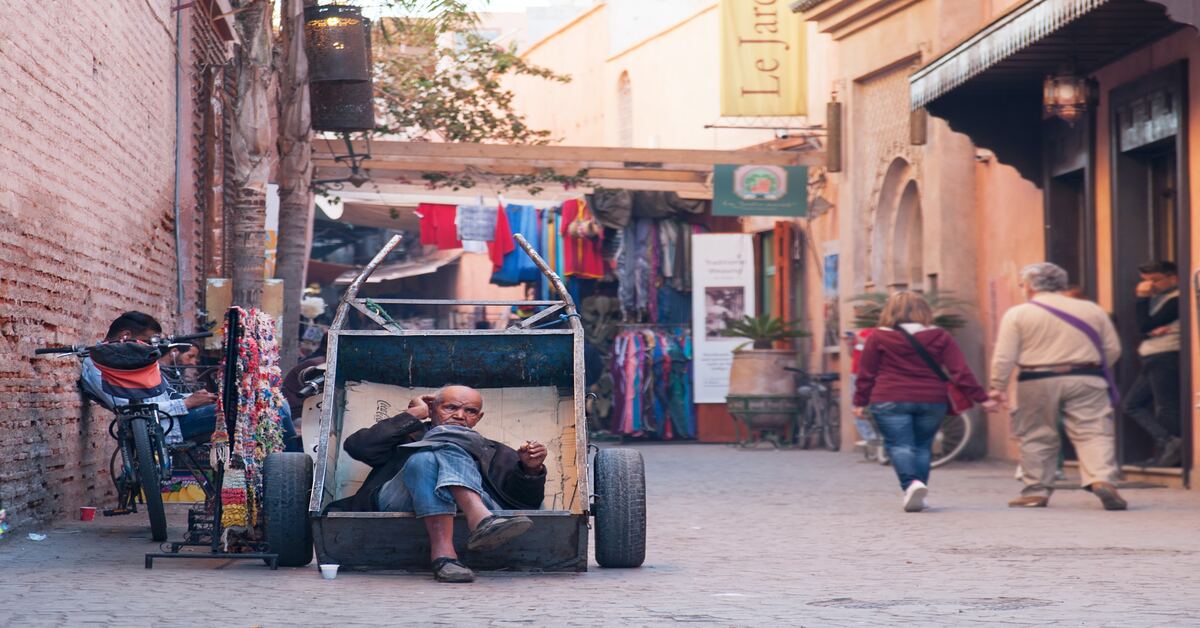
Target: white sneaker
point(914, 496)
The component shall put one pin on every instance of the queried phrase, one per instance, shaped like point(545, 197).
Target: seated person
point(195, 414)
point(434, 472)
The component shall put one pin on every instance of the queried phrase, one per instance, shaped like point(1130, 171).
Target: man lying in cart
point(435, 471)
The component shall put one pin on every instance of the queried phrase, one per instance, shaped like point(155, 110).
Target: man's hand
point(199, 398)
point(418, 408)
point(998, 396)
point(1145, 289)
point(1160, 331)
point(859, 411)
point(990, 405)
point(532, 455)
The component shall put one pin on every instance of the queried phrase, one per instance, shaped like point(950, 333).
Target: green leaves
point(946, 309)
point(763, 331)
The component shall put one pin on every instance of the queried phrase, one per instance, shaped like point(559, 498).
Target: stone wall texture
point(87, 148)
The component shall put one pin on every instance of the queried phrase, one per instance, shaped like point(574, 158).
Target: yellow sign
point(763, 59)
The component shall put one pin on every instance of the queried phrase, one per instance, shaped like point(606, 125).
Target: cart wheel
point(287, 485)
point(620, 508)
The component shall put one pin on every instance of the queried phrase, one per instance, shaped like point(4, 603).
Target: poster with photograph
point(723, 290)
point(829, 289)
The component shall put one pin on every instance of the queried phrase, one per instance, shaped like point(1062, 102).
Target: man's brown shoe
point(1108, 496)
point(1030, 501)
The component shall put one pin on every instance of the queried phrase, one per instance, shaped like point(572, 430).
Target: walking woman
point(907, 397)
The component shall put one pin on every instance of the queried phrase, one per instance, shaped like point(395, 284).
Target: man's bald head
point(457, 405)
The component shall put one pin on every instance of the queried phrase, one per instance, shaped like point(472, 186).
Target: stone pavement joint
point(736, 538)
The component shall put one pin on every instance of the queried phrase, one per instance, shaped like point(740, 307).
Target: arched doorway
point(908, 253)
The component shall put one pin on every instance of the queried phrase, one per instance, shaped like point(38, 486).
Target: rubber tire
point(149, 478)
point(620, 508)
point(967, 428)
point(287, 486)
point(831, 429)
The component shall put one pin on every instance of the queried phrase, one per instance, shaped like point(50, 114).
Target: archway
point(908, 254)
point(883, 234)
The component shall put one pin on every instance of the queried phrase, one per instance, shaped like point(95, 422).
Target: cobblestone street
point(737, 538)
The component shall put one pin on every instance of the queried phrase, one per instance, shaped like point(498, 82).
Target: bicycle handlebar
point(45, 350)
point(161, 342)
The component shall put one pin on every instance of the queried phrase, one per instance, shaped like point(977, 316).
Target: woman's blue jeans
point(908, 431)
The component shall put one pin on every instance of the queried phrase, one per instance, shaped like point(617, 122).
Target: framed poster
point(722, 289)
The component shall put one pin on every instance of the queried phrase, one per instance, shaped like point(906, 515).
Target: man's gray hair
point(1045, 277)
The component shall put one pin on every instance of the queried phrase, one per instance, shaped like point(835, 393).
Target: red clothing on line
point(503, 243)
point(892, 370)
point(582, 256)
point(437, 225)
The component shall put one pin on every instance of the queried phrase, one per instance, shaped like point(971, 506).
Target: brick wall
point(87, 144)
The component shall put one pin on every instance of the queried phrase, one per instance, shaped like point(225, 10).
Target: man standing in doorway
point(1065, 348)
point(1153, 401)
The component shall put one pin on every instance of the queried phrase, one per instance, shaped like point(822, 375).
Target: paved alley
point(737, 538)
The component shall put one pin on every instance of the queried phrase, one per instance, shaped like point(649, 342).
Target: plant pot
point(760, 374)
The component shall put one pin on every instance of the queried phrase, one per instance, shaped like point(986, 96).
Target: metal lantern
point(337, 41)
point(1066, 96)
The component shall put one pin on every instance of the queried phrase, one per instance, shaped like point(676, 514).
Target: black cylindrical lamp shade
point(336, 41)
point(342, 106)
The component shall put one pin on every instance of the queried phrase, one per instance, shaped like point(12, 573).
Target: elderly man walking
point(1065, 349)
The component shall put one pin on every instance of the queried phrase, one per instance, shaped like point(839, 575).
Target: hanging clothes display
point(438, 225)
point(652, 384)
point(502, 241)
point(476, 223)
point(257, 429)
point(583, 241)
point(517, 266)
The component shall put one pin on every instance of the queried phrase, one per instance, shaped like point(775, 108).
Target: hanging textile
point(651, 376)
point(502, 241)
point(437, 225)
point(517, 266)
point(583, 241)
point(476, 223)
point(256, 426)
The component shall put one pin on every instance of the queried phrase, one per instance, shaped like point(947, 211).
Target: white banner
point(722, 287)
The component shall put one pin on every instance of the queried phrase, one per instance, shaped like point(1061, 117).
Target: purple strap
point(1113, 394)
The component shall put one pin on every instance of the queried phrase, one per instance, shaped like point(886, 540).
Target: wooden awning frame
point(399, 166)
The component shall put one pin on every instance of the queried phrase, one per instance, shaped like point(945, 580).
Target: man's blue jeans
point(908, 431)
point(422, 486)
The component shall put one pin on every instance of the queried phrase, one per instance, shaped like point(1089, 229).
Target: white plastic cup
point(329, 572)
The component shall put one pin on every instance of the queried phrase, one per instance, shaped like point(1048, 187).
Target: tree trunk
point(294, 176)
point(251, 148)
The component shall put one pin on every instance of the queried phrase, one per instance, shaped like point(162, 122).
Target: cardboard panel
point(511, 416)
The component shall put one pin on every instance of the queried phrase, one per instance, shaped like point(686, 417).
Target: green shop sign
point(760, 190)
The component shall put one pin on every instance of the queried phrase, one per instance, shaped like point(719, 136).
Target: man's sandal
point(446, 569)
point(495, 531)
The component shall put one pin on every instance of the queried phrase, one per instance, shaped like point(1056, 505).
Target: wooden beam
point(415, 172)
point(582, 154)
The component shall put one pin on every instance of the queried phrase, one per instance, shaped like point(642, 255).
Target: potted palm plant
point(758, 372)
point(946, 309)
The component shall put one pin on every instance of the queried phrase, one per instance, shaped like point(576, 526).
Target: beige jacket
point(1032, 337)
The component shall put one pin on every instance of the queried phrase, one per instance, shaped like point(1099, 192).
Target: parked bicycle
point(820, 415)
point(138, 428)
point(949, 443)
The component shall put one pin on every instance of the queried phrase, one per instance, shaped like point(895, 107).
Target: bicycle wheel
point(952, 439)
point(807, 426)
point(831, 426)
point(148, 475)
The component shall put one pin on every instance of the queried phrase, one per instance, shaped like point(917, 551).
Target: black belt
point(1027, 376)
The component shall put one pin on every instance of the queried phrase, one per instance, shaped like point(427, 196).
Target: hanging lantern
point(1066, 96)
point(337, 41)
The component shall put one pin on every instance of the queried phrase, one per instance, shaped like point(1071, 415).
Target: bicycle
point(949, 443)
point(137, 427)
point(820, 416)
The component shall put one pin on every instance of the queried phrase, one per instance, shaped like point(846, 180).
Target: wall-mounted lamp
point(337, 42)
point(1066, 95)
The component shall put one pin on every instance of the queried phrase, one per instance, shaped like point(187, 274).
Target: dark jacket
point(380, 447)
point(891, 370)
